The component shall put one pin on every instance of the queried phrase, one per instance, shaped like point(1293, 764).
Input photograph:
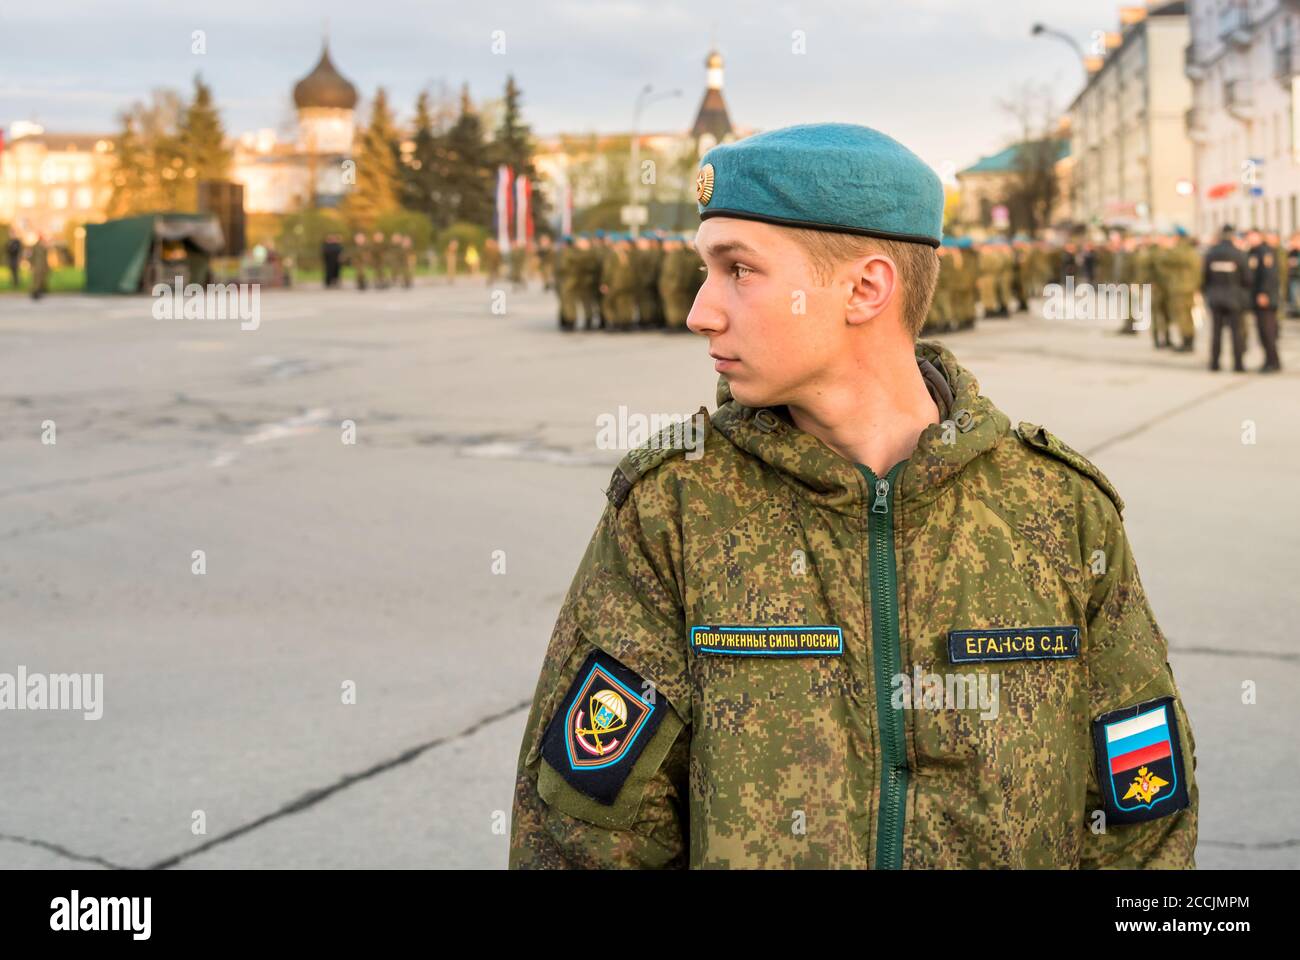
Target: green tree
point(202, 141)
point(469, 175)
point(422, 174)
point(513, 145)
point(378, 185)
point(149, 158)
point(128, 176)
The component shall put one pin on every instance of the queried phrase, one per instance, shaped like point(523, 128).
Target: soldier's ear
point(873, 283)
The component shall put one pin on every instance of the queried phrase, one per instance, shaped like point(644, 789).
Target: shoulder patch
point(1043, 439)
point(682, 438)
point(1140, 762)
point(601, 727)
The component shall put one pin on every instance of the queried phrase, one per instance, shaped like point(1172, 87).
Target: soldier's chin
point(747, 393)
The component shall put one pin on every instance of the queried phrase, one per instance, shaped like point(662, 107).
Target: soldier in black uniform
point(1293, 274)
point(1265, 284)
point(1226, 287)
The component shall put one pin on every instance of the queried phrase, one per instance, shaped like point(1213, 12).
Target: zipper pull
point(882, 497)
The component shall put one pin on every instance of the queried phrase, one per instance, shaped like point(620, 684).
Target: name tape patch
point(603, 724)
point(1140, 762)
point(769, 641)
point(1018, 643)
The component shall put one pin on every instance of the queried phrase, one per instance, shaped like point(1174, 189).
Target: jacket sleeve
point(1129, 676)
point(623, 611)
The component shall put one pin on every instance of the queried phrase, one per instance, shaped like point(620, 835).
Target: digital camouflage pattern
point(772, 762)
point(618, 276)
point(1179, 268)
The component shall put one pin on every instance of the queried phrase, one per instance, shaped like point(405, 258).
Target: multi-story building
point(1244, 65)
point(1133, 161)
point(51, 180)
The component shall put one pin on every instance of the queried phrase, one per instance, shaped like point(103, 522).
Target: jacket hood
point(970, 426)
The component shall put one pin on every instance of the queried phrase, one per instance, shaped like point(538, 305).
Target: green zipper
point(887, 655)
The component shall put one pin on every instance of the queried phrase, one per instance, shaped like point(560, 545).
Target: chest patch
point(1017, 643)
point(768, 641)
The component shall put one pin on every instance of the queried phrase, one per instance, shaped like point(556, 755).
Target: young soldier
point(783, 644)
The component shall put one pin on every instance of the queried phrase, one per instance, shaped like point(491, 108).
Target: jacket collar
point(971, 425)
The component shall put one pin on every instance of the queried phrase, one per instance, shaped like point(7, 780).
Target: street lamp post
point(643, 100)
point(1039, 30)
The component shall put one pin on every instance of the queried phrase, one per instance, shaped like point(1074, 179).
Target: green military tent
point(124, 256)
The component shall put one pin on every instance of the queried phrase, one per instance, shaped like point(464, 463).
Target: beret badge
point(704, 184)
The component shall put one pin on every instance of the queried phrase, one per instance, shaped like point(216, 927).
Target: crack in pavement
point(1221, 652)
point(1149, 361)
point(94, 478)
point(313, 797)
point(1237, 845)
point(61, 851)
point(1161, 417)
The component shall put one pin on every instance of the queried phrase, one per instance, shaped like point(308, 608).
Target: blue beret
point(825, 176)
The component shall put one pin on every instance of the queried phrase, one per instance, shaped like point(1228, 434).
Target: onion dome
point(325, 87)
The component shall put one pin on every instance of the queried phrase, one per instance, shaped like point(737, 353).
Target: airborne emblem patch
point(604, 722)
point(1140, 762)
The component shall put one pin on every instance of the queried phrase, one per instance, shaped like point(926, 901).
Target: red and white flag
point(523, 211)
point(504, 177)
point(566, 208)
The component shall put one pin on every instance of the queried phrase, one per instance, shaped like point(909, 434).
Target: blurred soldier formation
point(1230, 279)
point(613, 281)
point(377, 259)
point(617, 282)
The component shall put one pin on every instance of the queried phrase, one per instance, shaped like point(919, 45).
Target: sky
point(930, 73)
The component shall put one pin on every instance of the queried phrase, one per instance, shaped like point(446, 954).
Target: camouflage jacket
point(618, 272)
point(728, 681)
point(1179, 270)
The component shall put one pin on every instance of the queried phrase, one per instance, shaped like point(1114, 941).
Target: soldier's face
point(775, 330)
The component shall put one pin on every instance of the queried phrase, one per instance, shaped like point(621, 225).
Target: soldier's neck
point(872, 410)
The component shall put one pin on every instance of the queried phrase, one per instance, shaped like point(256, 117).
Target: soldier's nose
point(704, 319)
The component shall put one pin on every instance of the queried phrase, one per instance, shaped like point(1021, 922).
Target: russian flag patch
point(1140, 762)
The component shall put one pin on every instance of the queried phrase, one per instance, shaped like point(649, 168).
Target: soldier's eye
point(736, 271)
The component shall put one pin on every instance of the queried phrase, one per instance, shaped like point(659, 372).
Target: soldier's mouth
point(721, 363)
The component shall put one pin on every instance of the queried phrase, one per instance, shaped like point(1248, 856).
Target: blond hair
point(917, 263)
